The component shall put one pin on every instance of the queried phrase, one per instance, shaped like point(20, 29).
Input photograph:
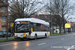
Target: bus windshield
point(21, 27)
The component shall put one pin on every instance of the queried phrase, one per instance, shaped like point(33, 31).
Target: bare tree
point(60, 7)
point(25, 8)
point(58, 20)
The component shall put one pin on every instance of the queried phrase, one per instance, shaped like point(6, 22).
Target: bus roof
point(34, 20)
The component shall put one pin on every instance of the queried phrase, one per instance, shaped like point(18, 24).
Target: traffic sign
point(67, 25)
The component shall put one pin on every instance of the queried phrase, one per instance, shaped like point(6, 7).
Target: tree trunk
point(64, 27)
point(59, 29)
point(50, 27)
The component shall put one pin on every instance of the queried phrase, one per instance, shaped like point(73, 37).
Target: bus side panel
point(39, 34)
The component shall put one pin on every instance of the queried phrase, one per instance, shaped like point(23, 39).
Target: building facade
point(3, 15)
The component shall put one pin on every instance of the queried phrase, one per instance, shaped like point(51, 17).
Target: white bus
point(31, 28)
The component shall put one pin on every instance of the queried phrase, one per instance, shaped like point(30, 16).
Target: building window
point(3, 9)
point(3, 28)
point(3, 19)
point(3, 0)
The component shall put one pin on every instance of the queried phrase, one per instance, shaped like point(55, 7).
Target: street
point(60, 42)
point(53, 20)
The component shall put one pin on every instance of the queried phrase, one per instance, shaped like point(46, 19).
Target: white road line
point(6, 44)
point(62, 39)
point(10, 43)
point(72, 47)
point(68, 48)
point(41, 43)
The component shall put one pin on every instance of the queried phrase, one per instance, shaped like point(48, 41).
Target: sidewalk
point(5, 37)
point(61, 34)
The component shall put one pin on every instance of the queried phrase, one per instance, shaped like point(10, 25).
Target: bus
point(31, 28)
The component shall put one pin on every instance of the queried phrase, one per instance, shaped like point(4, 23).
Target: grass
point(56, 34)
point(11, 39)
point(3, 40)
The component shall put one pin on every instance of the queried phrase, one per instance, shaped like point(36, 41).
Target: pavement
point(5, 37)
point(60, 42)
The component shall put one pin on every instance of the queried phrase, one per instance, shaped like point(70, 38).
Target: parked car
point(1, 33)
point(4, 33)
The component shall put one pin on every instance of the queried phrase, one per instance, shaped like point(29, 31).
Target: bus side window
point(38, 27)
point(32, 26)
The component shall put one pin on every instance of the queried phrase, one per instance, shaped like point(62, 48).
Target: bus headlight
point(15, 34)
point(27, 34)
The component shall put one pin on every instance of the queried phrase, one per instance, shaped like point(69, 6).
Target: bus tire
point(45, 35)
point(22, 39)
point(35, 36)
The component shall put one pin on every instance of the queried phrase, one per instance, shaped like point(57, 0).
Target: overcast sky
point(72, 2)
point(73, 15)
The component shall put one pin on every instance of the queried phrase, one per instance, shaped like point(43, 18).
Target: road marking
point(10, 43)
point(6, 44)
point(41, 43)
point(62, 39)
point(72, 47)
point(68, 49)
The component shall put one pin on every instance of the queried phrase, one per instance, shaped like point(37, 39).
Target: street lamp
point(7, 20)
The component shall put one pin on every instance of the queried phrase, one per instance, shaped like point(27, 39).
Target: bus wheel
point(22, 39)
point(35, 36)
point(45, 35)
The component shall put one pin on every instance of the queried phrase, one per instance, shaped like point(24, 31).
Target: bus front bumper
point(17, 37)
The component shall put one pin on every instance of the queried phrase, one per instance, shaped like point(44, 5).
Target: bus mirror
point(12, 25)
point(31, 30)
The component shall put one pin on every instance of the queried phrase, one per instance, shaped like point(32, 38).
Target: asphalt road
point(60, 42)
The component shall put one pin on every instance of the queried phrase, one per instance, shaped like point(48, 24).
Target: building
point(3, 15)
point(72, 26)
